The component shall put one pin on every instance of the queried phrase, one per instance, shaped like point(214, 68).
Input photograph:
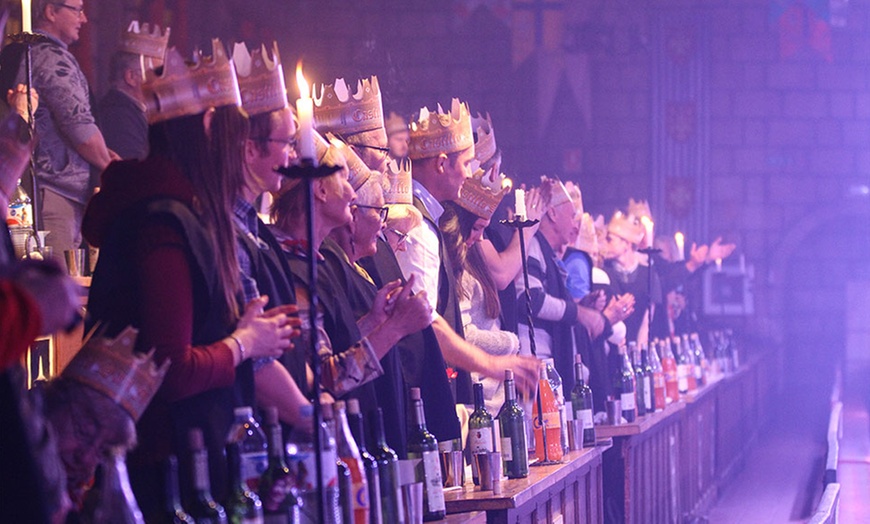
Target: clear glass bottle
point(648, 381)
point(546, 424)
point(302, 461)
point(557, 387)
point(373, 478)
point(345, 482)
point(659, 383)
point(349, 453)
point(253, 446)
point(422, 445)
point(243, 506)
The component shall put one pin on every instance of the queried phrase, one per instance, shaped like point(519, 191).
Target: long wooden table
point(669, 465)
point(568, 492)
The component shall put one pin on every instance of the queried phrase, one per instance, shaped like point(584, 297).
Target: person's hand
point(412, 312)
point(55, 293)
point(263, 335)
point(113, 156)
point(525, 368)
point(719, 251)
point(596, 299)
point(385, 301)
point(592, 320)
point(619, 308)
point(17, 100)
point(535, 207)
point(698, 256)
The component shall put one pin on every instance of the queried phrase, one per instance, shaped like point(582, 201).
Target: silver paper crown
point(261, 79)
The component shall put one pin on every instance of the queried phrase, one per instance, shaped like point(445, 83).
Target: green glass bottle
point(479, 430)
point(512, 422)
point(243, 506)
point(388, 467)
point(423, 446)
point(202, 506)
point(581, 403)
point(276, 484)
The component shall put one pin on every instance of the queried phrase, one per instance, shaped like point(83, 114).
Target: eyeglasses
point(287, 142)
point(80, 10)
point(383, 212)
point(376, 148)
point(403, 237)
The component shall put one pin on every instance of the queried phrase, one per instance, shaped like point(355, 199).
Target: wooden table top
point(516, 492)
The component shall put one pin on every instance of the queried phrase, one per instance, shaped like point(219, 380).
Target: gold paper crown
point(438, 132)
point(625, 228)
point(587, 238)
point(484, 138)
point(261, 79)
point(554, 192)
point(576, 196)
point(398, 188)
point(16, 145)
point(395, 124)
point(482, 193)
point(111, 367)
point(142, 40)
point(183, 90)
point(339, 111)
point(358, 171)
point(638, 209)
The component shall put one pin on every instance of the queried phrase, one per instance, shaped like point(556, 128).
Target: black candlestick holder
point(520, 223)
point(308, 171)
point(649, 252)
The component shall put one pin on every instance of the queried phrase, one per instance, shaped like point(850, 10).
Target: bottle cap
point(244, 411)
point(477, 386)
point(578, 359)
point(415, 394)
point(338, 406)
point(353, 406)
point(508, 374)
point(195, 440)
point(270, 415)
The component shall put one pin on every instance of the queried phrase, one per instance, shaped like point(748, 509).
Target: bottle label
point(627, 400)
point(480, 440)
point(585, 418)
point(276, 497)
point(252, 520)
point(429, 472)
point(507, 453)
point(647, 394)
point(253, 466)
point(200, 471)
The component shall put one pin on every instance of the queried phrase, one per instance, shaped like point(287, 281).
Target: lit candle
point(26, 25)
point(648, 229)
point(718, 265)
point(681, 245)
point(520, 198)
point(305, 114)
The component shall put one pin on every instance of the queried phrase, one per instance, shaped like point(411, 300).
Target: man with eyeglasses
point(70, 143)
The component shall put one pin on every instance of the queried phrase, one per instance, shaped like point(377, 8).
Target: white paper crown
point(434, 133)
point(145, 41)
point(397, 183)
point(339, 111)
point(261, 79)
point(482, 193)
point(484, 138)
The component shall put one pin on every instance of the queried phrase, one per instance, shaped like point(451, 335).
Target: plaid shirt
point(247, 224)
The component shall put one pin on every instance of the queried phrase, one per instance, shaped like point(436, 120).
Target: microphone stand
point(308, 170)
point(520, 223)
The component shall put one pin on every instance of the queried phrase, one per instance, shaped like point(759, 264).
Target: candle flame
point(506, 183)
point(647, 221)
point(304, 91)
point(679, 237)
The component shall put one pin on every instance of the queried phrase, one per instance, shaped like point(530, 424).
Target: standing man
point(70, 143)
point(121, 111)
point(397, 135)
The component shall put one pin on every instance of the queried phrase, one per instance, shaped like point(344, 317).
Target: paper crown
point(142, 40)
point(395, 124)
point(438, 132)
point(625, 228)
point(587, 238)
point(111, 367)
point(638, 209)
point(398, 188)
point(339, 111)
point(554, 192)
point(261, 79)
point(576, 196)
point(183, 90)
point(358, 171)
point(482, 193)
point(16, 145)
point(484, 138)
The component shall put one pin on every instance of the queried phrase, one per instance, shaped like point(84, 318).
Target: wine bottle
point(345, 482)
point(388, 469)
point(253, 446)
point(422, 445)
point(243, 506)
point(512, 422)
point(546, 417)
point(659, 384)
point(202, 506)
point(556, 384)
point(581, 403)
point(172, 513)
point(647, 378)
point(479, 430)
point(699, 358)
point(669, 365)
point(116, 504)
point(634, 356)
point(302, 462)
point(349, 453)
point(690, 359)
point(373, 479)
point(625, 386)
point(277, 491)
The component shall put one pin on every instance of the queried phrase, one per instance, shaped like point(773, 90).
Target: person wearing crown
point(70, 143)
point(121, 111)
point(163, 226)
point(442, 151)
